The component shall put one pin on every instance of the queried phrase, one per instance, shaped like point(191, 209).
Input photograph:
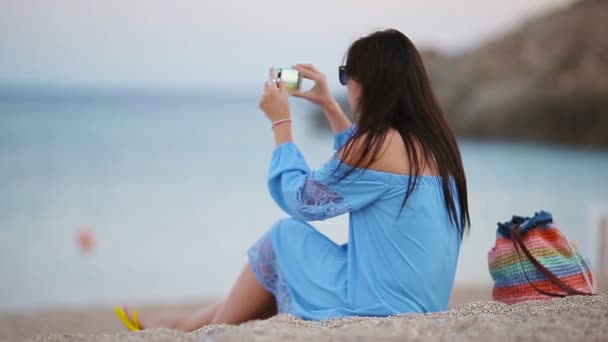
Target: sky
point(227, 43)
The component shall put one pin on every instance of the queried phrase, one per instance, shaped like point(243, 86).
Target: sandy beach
point(571, 319)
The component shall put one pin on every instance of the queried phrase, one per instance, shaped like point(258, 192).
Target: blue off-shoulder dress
point(391, 264)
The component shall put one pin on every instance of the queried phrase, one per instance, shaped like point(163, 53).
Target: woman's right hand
point(319, 94)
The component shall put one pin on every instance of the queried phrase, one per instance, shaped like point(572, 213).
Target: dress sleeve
point(311, 195)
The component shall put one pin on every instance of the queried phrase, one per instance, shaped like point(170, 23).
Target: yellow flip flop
point(124, 318)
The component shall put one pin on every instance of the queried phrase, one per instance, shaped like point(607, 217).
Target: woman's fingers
point(271, 87)
point(271, 82)
point(272, 74)
point(310, 67)
point(282, 86)
point(302, 94)
point(306, 73)
point(268, 85)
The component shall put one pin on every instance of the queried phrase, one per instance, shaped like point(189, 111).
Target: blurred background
point(133, 155)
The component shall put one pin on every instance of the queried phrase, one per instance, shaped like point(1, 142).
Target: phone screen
point(291, 77)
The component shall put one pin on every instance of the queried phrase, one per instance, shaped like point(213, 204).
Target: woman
point(397, 171)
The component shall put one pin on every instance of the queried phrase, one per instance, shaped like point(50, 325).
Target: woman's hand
point(319, 93)
point(274, 102)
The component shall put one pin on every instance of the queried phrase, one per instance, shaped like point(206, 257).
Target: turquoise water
point(176, 192)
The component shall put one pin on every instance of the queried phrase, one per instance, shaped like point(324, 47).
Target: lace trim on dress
point(263, 263)
point(316, 202)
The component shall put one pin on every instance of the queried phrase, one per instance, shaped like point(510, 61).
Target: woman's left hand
point(275, 102)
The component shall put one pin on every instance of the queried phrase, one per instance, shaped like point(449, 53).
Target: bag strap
point(519, 243)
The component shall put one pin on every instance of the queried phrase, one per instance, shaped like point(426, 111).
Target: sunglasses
point(342, 74)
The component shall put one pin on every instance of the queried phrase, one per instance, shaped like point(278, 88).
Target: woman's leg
point(197, 320)
point(247, 300)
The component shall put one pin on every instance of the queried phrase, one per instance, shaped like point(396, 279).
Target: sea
point(174, 191)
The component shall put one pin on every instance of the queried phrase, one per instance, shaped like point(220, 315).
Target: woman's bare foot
point(152, 321)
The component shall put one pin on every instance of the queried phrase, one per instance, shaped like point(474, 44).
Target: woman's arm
point(313, 195)
point(338, 121)
point(275, 104)
point(282, 133)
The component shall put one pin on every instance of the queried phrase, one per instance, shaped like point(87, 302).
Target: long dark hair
point(396, 93)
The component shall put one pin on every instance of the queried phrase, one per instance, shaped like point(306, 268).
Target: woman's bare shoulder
point(393, 156)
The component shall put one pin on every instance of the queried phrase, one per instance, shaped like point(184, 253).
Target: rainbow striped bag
point(532, 260)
